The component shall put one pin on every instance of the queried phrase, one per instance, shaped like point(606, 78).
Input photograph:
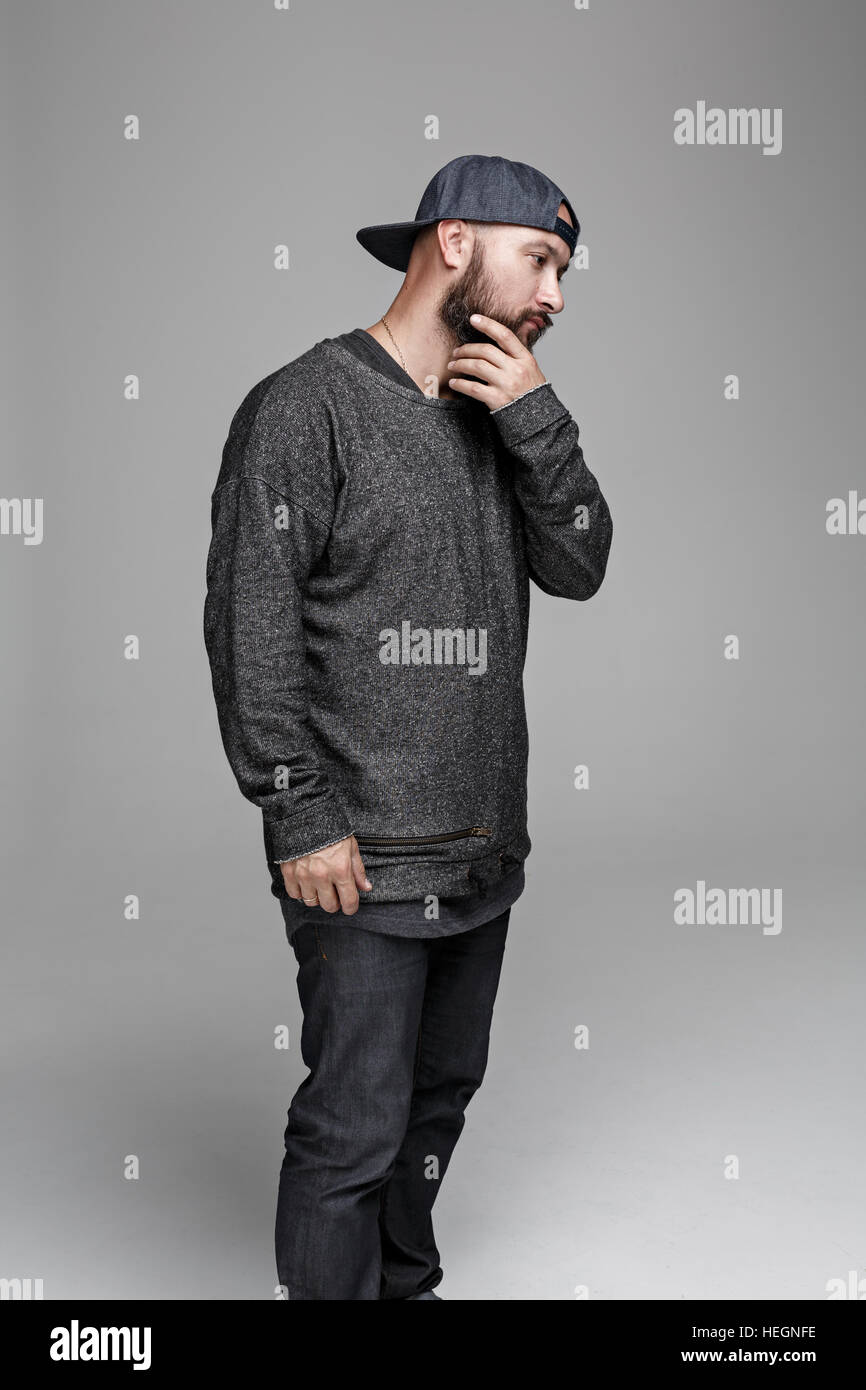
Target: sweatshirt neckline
point(388, 384)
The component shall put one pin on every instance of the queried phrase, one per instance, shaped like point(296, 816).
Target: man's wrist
point(536, 387)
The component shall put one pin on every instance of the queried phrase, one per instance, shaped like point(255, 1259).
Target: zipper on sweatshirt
point(423, 839)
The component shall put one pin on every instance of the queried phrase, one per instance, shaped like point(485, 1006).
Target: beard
point(475, 293)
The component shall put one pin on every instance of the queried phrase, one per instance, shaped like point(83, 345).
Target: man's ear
point(452, 235)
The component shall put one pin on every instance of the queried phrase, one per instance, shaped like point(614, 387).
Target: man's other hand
point(329, 877)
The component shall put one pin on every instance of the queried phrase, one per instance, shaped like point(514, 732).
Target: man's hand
point(329, 877)
point(507, 371)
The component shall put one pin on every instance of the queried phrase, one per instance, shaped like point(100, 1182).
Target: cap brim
point(391, 242)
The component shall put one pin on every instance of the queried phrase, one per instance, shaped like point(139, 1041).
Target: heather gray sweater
point(367, 613)
point(416, 917)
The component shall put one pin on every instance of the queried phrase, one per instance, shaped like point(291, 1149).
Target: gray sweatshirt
point(367, 613)
point(415, 918)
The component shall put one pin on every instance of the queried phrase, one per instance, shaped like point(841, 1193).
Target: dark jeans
point(395, 1035)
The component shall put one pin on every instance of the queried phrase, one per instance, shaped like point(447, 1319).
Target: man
point(382, 503)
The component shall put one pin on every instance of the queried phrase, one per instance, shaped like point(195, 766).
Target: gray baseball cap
point(478, 188)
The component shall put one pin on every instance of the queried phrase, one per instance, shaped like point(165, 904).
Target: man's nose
point(551, 298)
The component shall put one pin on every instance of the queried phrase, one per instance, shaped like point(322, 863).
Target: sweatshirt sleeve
point(567, 522)
point(270, 526)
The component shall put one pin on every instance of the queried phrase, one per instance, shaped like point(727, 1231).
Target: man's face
point(512, 276)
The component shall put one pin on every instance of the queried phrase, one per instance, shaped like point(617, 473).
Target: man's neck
point(425, 350)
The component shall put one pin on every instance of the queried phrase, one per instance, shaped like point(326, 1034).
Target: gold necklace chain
point(394, 341)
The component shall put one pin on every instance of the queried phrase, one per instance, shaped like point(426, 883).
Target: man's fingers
point(329, 877)
point(489, 351)
point(325, 890)
point(309, 890)
point(358, 867)
point(290, 879)
point(508, 341)
point(348, 894)
point(477, 366)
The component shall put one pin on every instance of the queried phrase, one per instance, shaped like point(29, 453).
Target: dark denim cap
point(477, 188)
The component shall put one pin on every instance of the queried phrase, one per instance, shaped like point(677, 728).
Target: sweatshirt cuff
point(527, 414)
point(325, 825)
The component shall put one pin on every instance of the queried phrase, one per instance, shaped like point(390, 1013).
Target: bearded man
point(395, 481)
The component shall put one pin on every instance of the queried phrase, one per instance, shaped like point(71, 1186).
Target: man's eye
point(536, 256)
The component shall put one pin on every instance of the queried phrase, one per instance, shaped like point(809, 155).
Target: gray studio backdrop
point(709, 1140)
